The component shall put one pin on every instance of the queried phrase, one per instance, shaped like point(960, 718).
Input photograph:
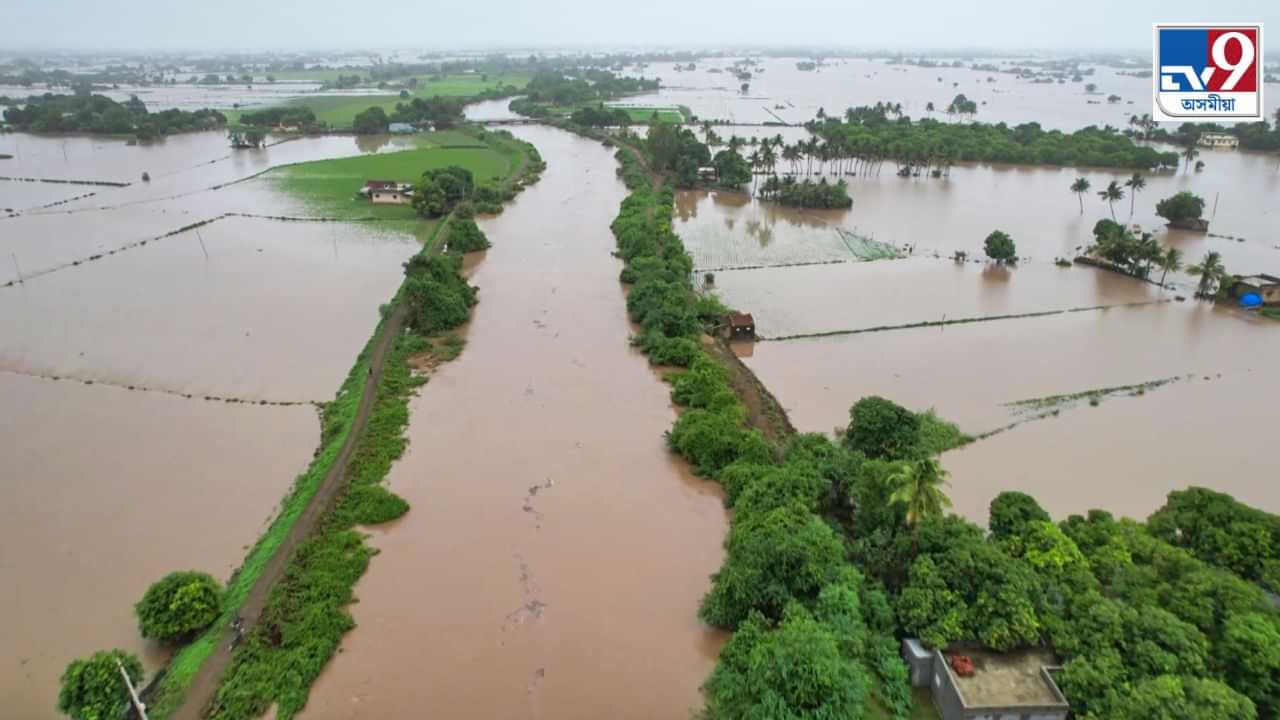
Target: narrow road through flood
point(553, 560)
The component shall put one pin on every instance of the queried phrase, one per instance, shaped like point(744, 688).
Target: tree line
point(83, 112)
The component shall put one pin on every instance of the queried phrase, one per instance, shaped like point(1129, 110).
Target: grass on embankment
point(329, 187)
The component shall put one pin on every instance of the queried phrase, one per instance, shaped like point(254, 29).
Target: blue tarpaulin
point(1250, 300)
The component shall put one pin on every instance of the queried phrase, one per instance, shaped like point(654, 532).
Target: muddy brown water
point(105, 489)
point(555, 554)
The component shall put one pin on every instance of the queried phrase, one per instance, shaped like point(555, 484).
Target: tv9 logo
point(1207, 73)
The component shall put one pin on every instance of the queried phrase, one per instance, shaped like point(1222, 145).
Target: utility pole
point(1215, 205)
point(202, 248)
point(18, 268)
point(137, 702)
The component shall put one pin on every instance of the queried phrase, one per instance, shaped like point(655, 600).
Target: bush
point(370, 122)
point(793, 671)
point(881, 428)
point(179, 605)
point(465, 236)
point(710, 440)
point(1182, 206)
point(774, 557)
point(92, 688)
point(662, 350)
point(1000, 247)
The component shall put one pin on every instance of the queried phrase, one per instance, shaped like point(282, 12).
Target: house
point(387, 192)
point(1264, 286)
point(741, 326)
point(1218, 140)
point(708, 173)
point(979, 684)
point(399, 128)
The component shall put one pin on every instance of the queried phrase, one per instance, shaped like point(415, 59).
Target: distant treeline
point(100, 114)
point(560, 88)
point(871, 135)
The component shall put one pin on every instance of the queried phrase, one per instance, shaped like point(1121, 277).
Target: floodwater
point(491, 110)
point(104, 492)
point(782, 93)
point(556, 552)
point(114, 478)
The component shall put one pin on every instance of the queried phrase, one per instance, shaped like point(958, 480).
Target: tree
point(1000, 247)
point(794, 671)
point(370, 122)
point(1211, 271)
point(1091, 88)
point(1170, 261)
point(1080, 187)
point(881, 428)
point(1111, 195)
point(93, 689)
point(1190, 154)
point(918, 486)
point(773, 558)
point(732, 169)
point(179, 605)
point(1249, 656)
point(1181, 207)
point(1182, 697)
point(1011, 511)
point(1135, 184)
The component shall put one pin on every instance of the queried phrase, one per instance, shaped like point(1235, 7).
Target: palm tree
point(1191, 153)
point(1210, 270)
point(1111, 195)
point(1170, 261)
point(1080, 187)
point(1135, 183)
point(918, 485)
point(929, 108)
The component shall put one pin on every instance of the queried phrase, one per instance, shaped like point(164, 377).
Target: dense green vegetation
point(285, 115)
point(1223, 532)
point(1000, 247)
point(437, 295)
point(576, 87)
point(866, 137)
point(1129, 253)
point(83, 112)
point(807, 193)
point(179, 605)
point(1181, 207)
point(463, 236)
point(93, 689)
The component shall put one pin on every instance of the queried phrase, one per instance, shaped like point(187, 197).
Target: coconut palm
point(1135, 183)
point(1111, 195)
point(918, 485)
point(1170, 261)
point(928, 107)
point(1191, 153)
point(1211, 270)
point(1080, 187)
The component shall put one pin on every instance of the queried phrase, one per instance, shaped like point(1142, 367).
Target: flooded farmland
point(562, 557)
point(141, 355)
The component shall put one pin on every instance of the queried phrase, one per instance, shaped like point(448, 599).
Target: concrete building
point(1218, 140)
point(1265, 286)
point(1015, 685)
point(387, 192)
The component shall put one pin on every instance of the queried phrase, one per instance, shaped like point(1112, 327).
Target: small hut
point(741, 326)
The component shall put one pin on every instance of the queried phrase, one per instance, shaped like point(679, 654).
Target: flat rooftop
point(1260, 279)
point(1011, 678)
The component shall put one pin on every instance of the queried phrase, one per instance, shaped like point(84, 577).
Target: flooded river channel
point(553, 560)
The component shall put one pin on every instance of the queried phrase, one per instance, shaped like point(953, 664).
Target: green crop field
point(329, 187)
point(339, 111)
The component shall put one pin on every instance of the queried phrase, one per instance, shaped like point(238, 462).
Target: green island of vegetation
point(83, 112)
point(275, 661)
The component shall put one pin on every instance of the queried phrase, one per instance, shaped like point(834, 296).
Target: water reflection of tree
point(372, 143)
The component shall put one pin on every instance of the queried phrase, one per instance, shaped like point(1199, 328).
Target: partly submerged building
point(387, 192)
point(1014, 685)
point(1266, 287)
point(741, 326)
point(1218, 140)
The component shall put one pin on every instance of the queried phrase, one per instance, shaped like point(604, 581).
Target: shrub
point(179, 605)
point(710, 440)
point(774, 557)
point(465, 236)
point(1182, 206)
point(1000, 247)
point(92, 688)
point(881, 428)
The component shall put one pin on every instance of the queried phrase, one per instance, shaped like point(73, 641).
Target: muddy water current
point(113, 476)
point(553, 560)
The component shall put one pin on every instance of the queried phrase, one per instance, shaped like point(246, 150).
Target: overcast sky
point(314, 24)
